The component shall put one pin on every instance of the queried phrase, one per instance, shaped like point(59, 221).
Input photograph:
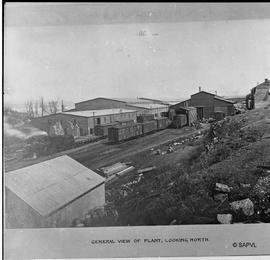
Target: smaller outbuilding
point(52, 193)
point(190, 112)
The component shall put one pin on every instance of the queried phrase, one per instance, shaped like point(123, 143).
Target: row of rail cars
point(102, 130)
point(121, 133)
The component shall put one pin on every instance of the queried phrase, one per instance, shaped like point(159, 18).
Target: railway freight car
point(102, 130)
point(179, 121)
point(149, 127)
point(162, 123)
point(145, 118)
point(121, 133)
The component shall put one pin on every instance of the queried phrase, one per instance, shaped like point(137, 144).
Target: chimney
point(215, 92)
point(266, 80)
point(200, 89)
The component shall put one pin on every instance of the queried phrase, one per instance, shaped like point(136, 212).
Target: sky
point(56, 55)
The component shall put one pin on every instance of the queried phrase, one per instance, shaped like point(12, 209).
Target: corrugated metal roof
point(98, 98)
point(202, 91)
point(178, 103)
point(133, 100)
point(171, 103)
point(223, 99)
point(149, 105)
point(52, 184)
point(188, 108)
point(101, 112)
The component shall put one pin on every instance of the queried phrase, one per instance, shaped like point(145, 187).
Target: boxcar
point(145, 118)
point(121, 133)
point(149, 127)
point(179, 121)
point(125, 122)
point(102, 130)
point(162, 123)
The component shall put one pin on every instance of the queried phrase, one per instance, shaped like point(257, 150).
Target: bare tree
point(62, 106)
point(29, 108)
point(36, 108)
point(43, 106)
point(53, 106)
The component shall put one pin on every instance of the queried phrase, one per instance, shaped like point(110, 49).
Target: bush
point(61, 142)
point(251, 135)
point(46, 145)
point(215, 155)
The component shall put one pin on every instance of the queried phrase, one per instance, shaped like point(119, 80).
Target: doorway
point(200, 113)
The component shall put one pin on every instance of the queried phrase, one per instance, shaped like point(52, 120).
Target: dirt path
point(101, 153)
point(106, 154)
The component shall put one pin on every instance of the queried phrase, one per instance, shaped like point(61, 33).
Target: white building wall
point(19, 214)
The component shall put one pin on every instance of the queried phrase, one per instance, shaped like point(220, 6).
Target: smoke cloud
point(9, 130)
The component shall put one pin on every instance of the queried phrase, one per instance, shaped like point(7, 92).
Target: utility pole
point(42, 106)
point(94, 122)
point(62, 106)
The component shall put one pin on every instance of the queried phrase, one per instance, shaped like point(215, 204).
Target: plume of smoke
point(9, 130)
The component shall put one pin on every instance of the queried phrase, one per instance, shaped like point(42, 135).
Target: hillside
point(223, 178)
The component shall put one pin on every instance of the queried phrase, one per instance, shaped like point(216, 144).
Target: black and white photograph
point(136, 115)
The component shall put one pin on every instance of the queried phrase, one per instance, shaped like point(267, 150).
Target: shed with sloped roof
point(207, 104)
point(52, 193)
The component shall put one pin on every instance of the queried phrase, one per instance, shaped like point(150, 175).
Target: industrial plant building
point(85, 121)
point(87, 115)
point(52, 193)
point(141, 105)
point(208, 105)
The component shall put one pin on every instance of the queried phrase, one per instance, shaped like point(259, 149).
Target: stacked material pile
point(116, 170)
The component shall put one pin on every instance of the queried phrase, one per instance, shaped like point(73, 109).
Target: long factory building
point(81, 120)
point(85, 121)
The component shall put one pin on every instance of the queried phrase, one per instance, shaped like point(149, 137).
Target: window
point(81, 131)
point(97, 121)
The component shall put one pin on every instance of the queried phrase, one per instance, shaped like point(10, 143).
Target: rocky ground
point(223, 177)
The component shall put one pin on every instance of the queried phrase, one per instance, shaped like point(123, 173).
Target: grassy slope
point(181, 189)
